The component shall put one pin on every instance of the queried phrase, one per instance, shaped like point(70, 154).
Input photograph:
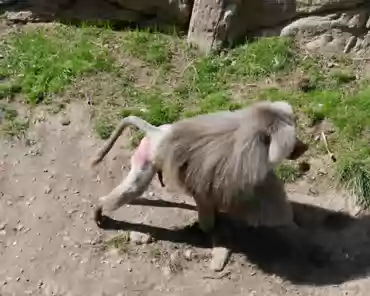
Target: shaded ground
point(50, 246)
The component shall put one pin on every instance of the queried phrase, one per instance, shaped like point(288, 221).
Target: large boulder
point(316, 6)
point(326, 25)
point(347, 31)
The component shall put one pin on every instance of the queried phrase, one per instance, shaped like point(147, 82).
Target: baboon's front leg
point(206, 214)
point(207, 220)
point(136, 182)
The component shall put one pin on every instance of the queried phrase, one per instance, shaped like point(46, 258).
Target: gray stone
point(65, 121)
point(139, 238)
point(220, 255)
point(205, 24)
point(315, 6)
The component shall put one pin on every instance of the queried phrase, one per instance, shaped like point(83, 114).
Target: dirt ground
point(49, 244)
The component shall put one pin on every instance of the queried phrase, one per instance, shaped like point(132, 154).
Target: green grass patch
point(288, 173)
point(104, 127)
point(154, 49)
point(43, 61)
point(119, 242)
point(8, 90)
point(354, 172)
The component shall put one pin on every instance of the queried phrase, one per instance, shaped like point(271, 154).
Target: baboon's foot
point(220, 256)
point(98, 216)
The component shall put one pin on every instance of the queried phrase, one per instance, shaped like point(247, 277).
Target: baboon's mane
point(222, 154)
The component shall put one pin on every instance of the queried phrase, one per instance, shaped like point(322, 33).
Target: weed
point(104, 127)
point(8, 113)
point(342, 77)
point(119, 242)
point(354, 172)
point(288, 173)
point(8, 90)
point(156, 253)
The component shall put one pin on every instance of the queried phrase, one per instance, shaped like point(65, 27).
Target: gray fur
point(222, 155)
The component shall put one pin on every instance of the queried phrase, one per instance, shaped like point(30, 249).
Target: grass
point(39, 63)
point(43, 62)
point(119, 242)
point(153, 49)
point(288, 173)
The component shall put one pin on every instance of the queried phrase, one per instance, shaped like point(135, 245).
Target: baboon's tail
point(129, 120)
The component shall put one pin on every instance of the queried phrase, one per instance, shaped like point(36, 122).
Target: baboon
point(225, 160)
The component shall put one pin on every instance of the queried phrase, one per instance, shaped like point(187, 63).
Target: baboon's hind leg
point(136, 182)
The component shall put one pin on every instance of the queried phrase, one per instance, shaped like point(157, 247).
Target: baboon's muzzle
point(299, 149)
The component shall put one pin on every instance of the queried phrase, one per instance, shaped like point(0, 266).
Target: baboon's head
point(286, 111)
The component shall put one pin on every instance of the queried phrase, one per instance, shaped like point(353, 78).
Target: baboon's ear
point(283, 142)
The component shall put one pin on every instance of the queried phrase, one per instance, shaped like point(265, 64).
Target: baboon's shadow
point(330, 247)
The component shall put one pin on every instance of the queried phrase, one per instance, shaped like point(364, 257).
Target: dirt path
point(50, 246)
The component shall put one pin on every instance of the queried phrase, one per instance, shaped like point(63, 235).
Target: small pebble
point(2, 225)
point(19, 227)
point(188, 254)
point(65, 121)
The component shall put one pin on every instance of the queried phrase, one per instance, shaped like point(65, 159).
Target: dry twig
point(331, 154)
point(217, 277)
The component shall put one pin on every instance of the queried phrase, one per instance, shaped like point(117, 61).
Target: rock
point(140, 238)
point(188, 254)
point(2, 225)
point(205, 26)
point(220, 255)
point(309, 6)
point(331, 25)
point(334, 32)
point(65, 121)
point(19, 16)
point(47, 190)
point(19, 227)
